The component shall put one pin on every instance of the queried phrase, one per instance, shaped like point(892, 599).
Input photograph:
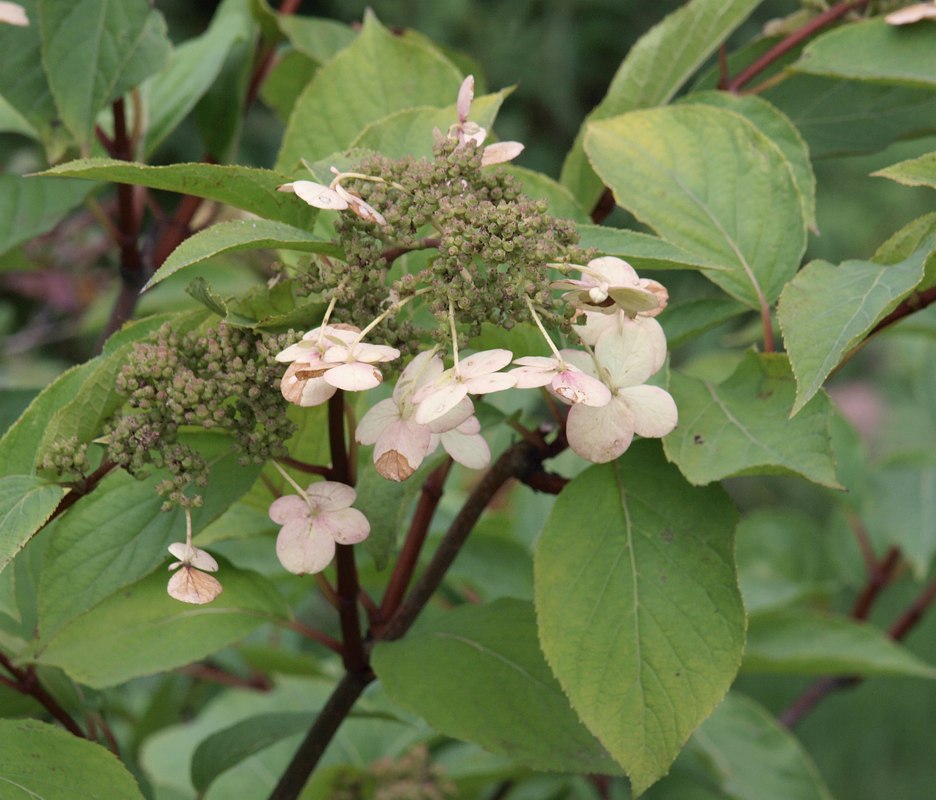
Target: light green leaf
point(639, 611)
point(661, 61)
point(782, 559)
point(229, 747)
point(38, 760)
point(32, 206)
point(118, 533)
point(710, 182)
point(907, 240)
point(682, 322)
point(29, 93)
point(641, 250)
point(900, 508)
point(912, 172)
point(409, 132)
point(26, 502)
point(442, 668)
point(872, 50)
point(748, 755)
point(141, 630)
point(319, 39)
point(242, 187)
point(352, 90)
point(20, 444)
point(11, 121)
point(286, 81)
point(775, 125)
point(742, 426)
point(95, 50)
point(193, 67)
point(241, 234)
point(826, 310)
point(804, 642)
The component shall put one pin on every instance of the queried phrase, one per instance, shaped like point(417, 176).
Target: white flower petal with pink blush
point(631, 356)
point(465, 444)
point(316, 194)
point(911, 14)
point(354, 377)
point(610, 284)
point(476, 374)
point(565, 380)
point(13, 14)
point(465, 96)
point(653, 409)
point(313, 524)
point(621, 326)
point(500, 152)
point(191, 584)
point(304, 386)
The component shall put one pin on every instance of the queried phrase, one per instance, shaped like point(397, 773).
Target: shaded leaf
point(441, 668)
point(38, 760)
point(710, 182)
point(639, 611)
point(26, 502)
point(351, 91)
point(912, 172)
point(655, 68)
point(872, 50)
point(247, 188)
point(742, 427)
point(31, 206)
point(319, 39)
point(95, 50)
point(682, 322)
point(241, 234)
point(803, 642)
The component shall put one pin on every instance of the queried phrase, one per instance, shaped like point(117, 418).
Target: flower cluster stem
point(25, 681)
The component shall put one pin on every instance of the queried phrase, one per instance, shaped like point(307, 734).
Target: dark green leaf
point(26, 503)
point(32, 206)
point(682, 322)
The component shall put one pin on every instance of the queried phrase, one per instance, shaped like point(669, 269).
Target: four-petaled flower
point(192, 584)
point(609, 285)
point(566, 381)
point(313, 523)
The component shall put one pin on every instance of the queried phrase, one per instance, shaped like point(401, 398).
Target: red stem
point(784, 46)
point(27, 682)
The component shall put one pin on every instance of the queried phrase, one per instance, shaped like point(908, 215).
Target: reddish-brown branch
point(316, 636)
point(723, 76)
point(546, 482)
point(405, 566)
point(784, 46)
point(206, 672)
point(302, 466)
point(603, 207)
point(355, 659)
point(880, 574)
point(25, 681)
point(391, 254)
point(914, 613)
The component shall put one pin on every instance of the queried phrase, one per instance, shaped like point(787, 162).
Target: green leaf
point(907, 240)
point(26, 503)
point(748, 755)
point(710, 182)
point(872, 50)
point(286, 81)
point(782, 559)
point(805, 642)
point(639, 611)
point(29, 93)
point(912, 172)
point(826, 310)
point(661, 61)
point(409, 132)
point(193, 67)
point(32, 206)
point(229, 747)
point(352, 90)
point(900, 508)
point(20, 444)
point(775, 125)
point(319, 39)
point(839, 117)
point(141, 630)
point(442, 668)
point(38, 760)
point(95, 50)
point(118, 533)
point(241, 234)
point(742, 426)
point(684, 321)
point(641, 250)
point(248, 188)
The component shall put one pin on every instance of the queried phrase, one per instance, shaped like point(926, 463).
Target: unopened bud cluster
point(212, 380)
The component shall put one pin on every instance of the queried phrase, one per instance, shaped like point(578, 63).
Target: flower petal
point(348, 526)
point(331, 495)
point(653, 408)
point(500, 152)
point(494, 382)
point(191, 586)
point(303, 552)
point(600, 434)
point(483, 363)
point(287, 508)
point(574, 386)
point(454, 417)
point(356, 377)
point(468, 449)
point(439, 402)
point(13, 14)
point(315, 194)
point(377, 419)
point(400, 449)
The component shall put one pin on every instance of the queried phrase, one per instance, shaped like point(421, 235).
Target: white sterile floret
point(565, 380)
point(363, 209)
point(500, 152)
point(626, 358)
point(477, 374)
point(316, 194)
point(911, 14)
point(609, 285)
point(191, 584)
point(401, 443)
point(13, 14)
point(465, 131)
point(313, 523)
